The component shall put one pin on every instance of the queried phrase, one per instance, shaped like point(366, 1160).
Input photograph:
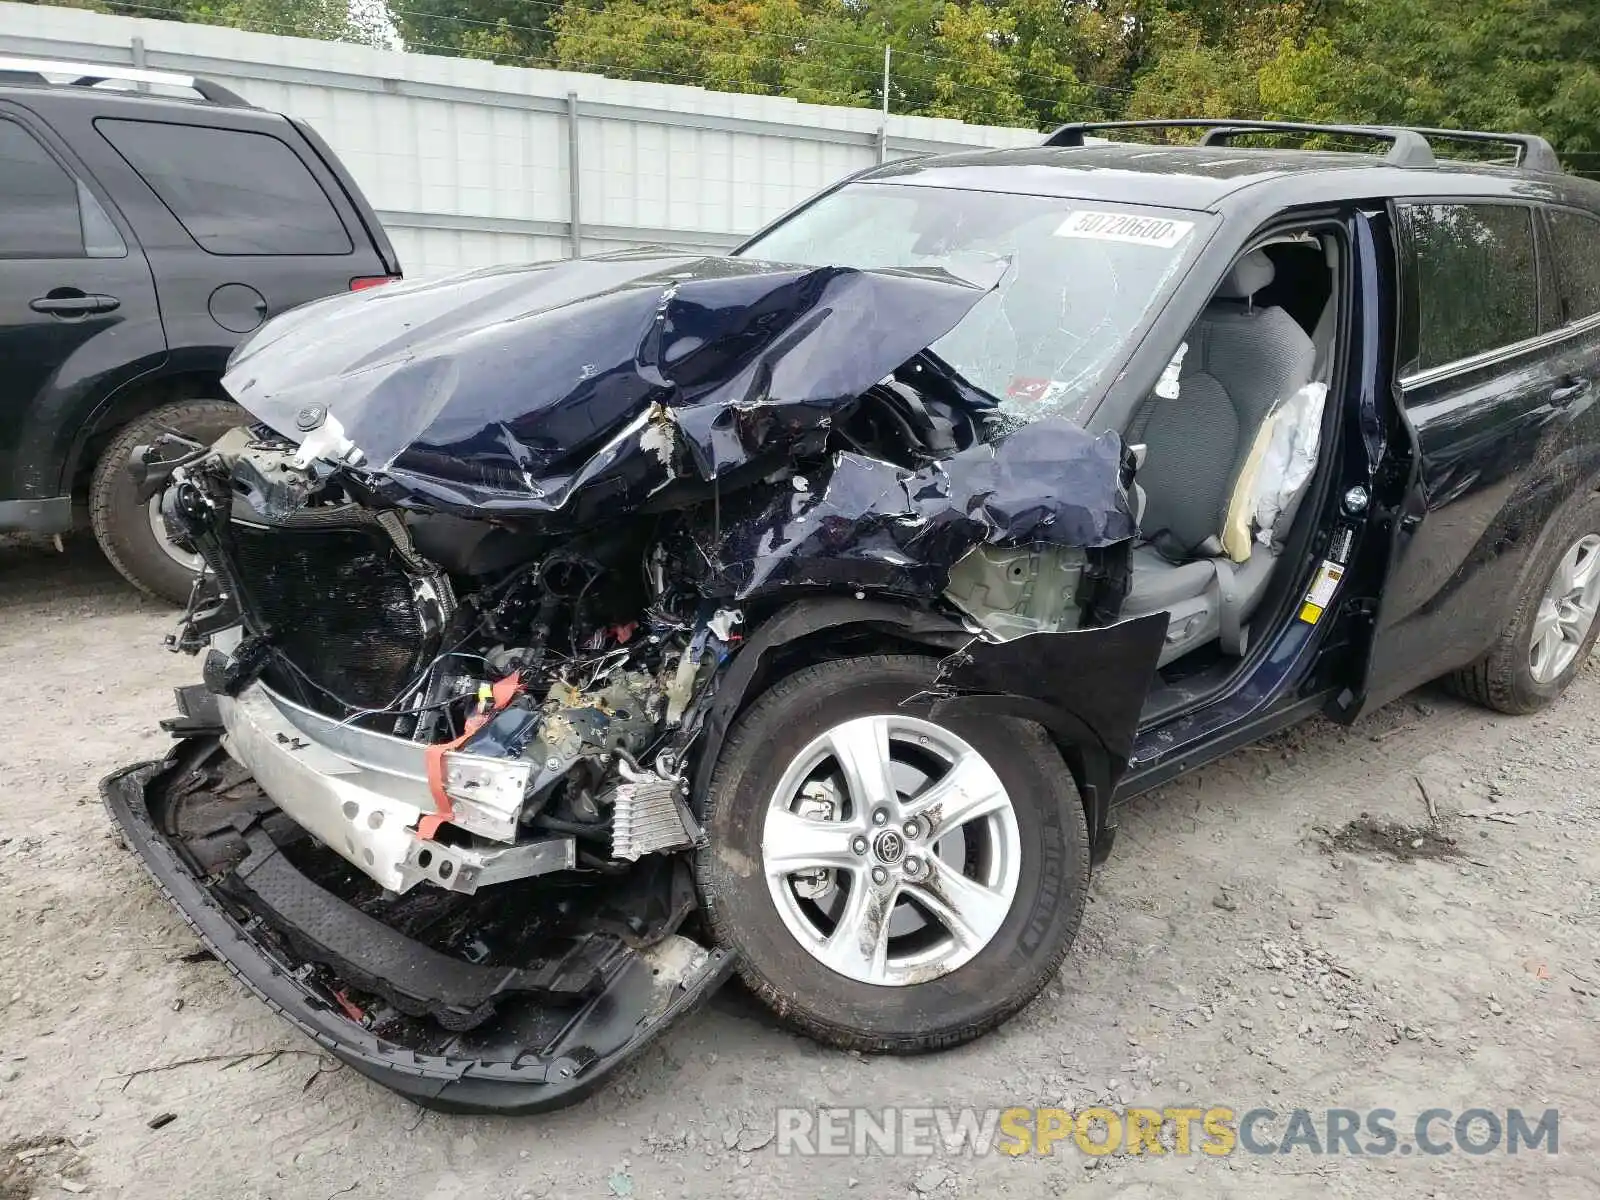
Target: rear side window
point(38, 200)
point(236, 192)
point(1477, 279)
point(1575, 243)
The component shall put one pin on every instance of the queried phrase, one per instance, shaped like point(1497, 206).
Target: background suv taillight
point(362, 282)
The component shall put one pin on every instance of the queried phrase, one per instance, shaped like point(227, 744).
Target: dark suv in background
point(148, 221)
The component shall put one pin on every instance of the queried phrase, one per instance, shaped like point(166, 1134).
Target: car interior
point(1249, 380)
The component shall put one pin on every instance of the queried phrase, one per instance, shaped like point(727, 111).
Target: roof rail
point(38, 70)
point(1533, 152)
point(1408, 148)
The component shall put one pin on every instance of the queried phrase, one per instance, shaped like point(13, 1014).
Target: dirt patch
point(30, 1165)
point(1391, 839)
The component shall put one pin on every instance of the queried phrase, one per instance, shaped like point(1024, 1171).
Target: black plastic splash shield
point(1088, 681)
point(603, 1034)
point(872, 525)
point(520, 390)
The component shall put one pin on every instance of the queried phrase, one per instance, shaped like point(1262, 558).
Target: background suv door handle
point(1569, 391)
point(69, 302)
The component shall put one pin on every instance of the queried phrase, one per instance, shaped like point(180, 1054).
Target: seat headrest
point(1249, 275)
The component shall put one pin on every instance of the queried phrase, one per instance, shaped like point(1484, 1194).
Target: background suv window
point(1477, 281)
point(1575, 242)
point(236, 192)
point(38, 200)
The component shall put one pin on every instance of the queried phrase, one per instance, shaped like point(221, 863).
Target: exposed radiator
point(340, 607)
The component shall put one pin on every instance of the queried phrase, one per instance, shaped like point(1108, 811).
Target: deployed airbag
point(1295, 427)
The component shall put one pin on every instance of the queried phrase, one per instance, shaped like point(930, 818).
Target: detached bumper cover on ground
point(531, 1056)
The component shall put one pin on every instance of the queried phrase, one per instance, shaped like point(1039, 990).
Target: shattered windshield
point(1078, 277)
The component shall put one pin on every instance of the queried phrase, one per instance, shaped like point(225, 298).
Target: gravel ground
point(1281, 929)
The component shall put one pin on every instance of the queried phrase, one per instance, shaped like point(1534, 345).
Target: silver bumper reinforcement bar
point(361, 793)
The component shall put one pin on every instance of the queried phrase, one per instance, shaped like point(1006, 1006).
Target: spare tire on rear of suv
point(131, 533)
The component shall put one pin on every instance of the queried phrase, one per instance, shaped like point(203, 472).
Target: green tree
point(1494, 64)
point(1198, 66)
point(517, 32)
point(712, 43)
point(977, 77)
point(329, 20)
point(1529, 65)
point(965, 60)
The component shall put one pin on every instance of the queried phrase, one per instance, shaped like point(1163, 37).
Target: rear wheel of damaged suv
point(131, 533)
point(890, 883)
point(1553, 629)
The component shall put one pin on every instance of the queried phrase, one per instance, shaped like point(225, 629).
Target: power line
point(867, 47)
point(872, 48)
point(258, 26)
point(700, 78)
point(609, 36)
point(696, 79)
point(994, 115)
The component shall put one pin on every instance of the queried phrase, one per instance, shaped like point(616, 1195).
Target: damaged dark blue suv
point(577, 634)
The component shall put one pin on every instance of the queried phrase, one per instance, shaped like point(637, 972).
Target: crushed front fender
point(1086, 686)
point(533, 1053)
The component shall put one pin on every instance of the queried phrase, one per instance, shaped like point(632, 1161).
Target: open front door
point(1475, 391)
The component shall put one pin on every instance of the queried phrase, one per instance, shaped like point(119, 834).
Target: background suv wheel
point(131, 533)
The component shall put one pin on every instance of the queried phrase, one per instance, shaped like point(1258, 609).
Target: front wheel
point(889, 882)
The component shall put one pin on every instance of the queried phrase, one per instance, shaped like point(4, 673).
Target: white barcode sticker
point(1125, 227)
point(1325, 584)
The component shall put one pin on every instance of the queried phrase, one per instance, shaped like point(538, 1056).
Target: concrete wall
point(470, 164)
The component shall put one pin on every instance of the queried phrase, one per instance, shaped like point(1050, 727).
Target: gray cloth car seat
point(1241, 361)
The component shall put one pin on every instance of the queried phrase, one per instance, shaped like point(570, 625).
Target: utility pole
point(883, 129)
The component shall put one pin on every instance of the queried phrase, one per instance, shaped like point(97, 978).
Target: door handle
point(79, 305)
point(1570, 390)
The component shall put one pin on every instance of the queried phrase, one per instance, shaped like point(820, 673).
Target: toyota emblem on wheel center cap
point(890, 846)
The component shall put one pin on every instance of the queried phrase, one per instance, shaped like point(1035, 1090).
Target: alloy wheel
point(890, 848)
point(1566, 611)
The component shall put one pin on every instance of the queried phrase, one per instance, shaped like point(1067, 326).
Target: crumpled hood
point(511, 389)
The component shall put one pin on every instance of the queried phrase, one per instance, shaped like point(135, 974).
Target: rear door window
point(38, 200)
point(236, 192)
point(1477, 279)
point(1575, 246)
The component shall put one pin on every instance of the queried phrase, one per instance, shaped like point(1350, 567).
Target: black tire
point(121, 524)
point(1008, 972)
point(1503, 678)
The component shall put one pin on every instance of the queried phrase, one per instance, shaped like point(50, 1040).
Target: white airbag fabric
point(1294, 433)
